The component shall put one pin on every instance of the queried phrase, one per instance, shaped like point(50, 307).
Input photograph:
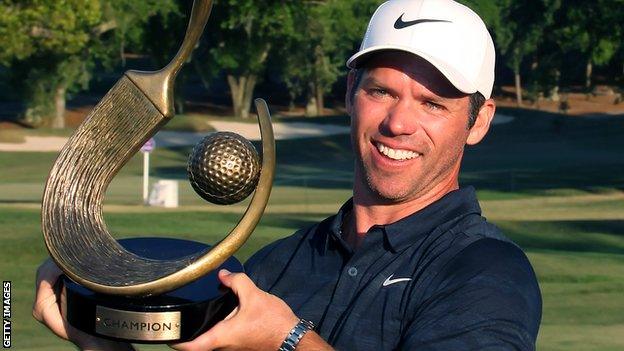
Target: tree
point(55, 45)
point(592, 28)
point(314, 54)
point(240, 36)
point(518, 27)
point(524, 28)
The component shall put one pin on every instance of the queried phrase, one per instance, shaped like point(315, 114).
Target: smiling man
point(409, 262)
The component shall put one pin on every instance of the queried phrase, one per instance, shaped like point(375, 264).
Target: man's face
point(408, 129)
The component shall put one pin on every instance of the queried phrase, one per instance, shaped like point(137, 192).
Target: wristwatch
point(295, 335)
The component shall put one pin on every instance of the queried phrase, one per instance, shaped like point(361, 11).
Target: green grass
point(581, 284)
point(18, 135)
point(553, 184)
point(189, 123)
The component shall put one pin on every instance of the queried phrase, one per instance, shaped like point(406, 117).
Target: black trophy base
point(176, 316)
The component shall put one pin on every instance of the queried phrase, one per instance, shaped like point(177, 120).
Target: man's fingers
point(206, 341)
point(240, 283)
point(42, 305)
point(47, 275)
point(46, 308)
point(55, 322)
point(232, 314)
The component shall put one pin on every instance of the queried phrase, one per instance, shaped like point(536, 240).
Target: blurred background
point(550, 173)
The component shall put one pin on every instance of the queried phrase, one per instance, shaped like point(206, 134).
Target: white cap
point(447, 34)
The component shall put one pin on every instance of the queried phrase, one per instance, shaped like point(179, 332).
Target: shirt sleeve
point(486, 298)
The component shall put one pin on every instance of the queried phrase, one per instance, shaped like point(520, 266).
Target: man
point(408, 262)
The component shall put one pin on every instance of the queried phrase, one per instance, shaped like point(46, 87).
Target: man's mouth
point(396, 154)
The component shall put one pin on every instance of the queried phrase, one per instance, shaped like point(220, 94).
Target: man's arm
point(487, 298)
point(260, 322)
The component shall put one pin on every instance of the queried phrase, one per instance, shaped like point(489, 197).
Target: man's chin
point(388, 193)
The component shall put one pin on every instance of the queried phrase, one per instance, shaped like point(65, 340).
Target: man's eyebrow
point(368, 80)
point(429, 96)
point(434, 98)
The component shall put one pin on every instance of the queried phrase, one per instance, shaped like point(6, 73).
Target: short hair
point(476, 100)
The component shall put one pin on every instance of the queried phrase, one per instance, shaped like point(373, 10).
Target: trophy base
point(177, 316)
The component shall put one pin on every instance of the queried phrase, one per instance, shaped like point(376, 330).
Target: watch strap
point(295, 335)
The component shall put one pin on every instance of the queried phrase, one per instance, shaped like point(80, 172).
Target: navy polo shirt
point(442, 278)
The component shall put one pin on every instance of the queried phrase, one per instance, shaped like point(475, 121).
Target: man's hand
point(46, 310)
point(260, 322)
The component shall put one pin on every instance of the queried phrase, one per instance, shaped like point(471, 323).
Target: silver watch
point(295, 335)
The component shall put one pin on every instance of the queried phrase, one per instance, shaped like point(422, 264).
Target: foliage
point(240, 36)
point(591, 29)
point(314, 56)
point(53, 46)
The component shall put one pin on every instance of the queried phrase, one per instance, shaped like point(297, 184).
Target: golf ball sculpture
point(224, 168)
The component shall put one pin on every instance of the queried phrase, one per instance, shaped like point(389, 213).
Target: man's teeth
point(394, 154)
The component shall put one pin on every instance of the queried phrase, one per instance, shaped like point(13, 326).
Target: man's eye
point(378, 92)
point(433, 105)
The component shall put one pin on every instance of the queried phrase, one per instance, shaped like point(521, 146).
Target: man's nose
point(401, 119)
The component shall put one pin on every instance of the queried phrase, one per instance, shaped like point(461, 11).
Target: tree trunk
point(59, 108)
point(316, 100)
point(241, 89)
point(122, 55)
point(518, 88)
point(319, 67)
point(516, 60)
point(248, 95)
point(311, 106)
point(242, 86)
point(320, 100)
point(588, 74)
point(554, 92)
point(236, 92)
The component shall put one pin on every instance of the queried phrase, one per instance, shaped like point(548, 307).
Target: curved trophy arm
point(75, 232)
point(71, 213)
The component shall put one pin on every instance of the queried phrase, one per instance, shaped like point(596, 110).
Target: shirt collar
point(452, 206)
point(399, 235)
point(335, 227)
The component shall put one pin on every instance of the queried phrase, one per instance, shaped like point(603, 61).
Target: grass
point(554, 185)
point(19, 135)
point(580, 267)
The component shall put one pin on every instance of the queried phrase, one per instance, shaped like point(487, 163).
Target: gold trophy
point(148, 290)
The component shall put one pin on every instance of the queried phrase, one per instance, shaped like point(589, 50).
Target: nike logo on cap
point(391, 281)
point(400, 24)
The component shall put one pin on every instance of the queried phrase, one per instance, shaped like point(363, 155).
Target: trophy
point(148, 290)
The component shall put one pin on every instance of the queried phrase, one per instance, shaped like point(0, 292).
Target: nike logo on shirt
point(400, 24)
point(391, 281)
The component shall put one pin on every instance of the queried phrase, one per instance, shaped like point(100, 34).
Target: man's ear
point(482, 123)
point(349, 94)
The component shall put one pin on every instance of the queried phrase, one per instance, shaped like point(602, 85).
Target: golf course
point(553, 183)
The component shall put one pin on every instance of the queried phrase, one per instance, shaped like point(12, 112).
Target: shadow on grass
point(534, 154)
point(590, 178)
point(325, 163)
point(200, 223)
point(601, 236)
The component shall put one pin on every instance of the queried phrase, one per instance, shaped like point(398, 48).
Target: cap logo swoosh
point(400, 24)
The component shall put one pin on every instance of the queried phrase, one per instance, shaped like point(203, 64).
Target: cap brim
point(454, 77)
